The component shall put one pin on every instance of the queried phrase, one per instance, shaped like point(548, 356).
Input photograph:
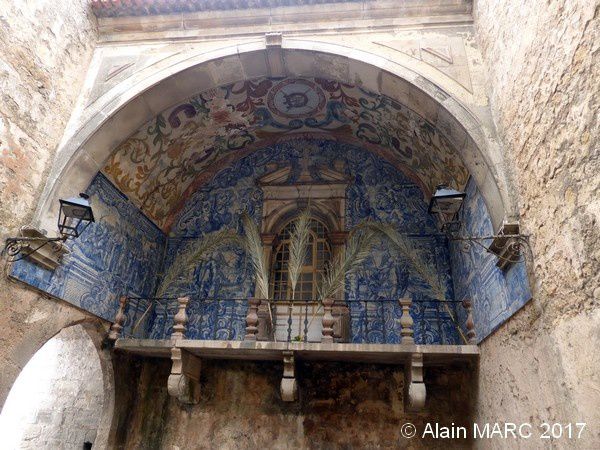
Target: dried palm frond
point(358, 249)
point(187, 260)
point(254, 248)
point(403, 246)
point(298, 243)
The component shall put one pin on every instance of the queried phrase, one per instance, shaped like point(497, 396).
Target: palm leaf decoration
point(358, 248)
point(254, 248)
point(298, 243)
point(403, 246)
point(186, 261)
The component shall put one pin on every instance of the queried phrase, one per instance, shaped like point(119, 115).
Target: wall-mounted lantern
point(74, 216)
point(444, 205)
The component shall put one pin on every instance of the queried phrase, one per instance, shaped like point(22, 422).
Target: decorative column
point(328, 320)
point(252, 319)
point(471, 334)
point(406, 322)
point(180, 319)
point(117, 326)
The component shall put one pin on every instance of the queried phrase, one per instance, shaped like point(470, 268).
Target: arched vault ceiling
point(161, 164)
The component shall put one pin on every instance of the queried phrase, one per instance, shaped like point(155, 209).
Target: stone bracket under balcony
point(186, 356)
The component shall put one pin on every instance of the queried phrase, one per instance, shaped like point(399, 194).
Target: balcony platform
point(273, 351)
point(187, 355)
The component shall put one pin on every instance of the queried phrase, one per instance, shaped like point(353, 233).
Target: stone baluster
point(180, 319)
point(117, 326)
point(406, 321)
point(471, 334)
point(252, 319)
point(328, 321)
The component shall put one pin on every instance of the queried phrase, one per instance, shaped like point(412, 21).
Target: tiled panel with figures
point(118, 254)
point(496, 294)
point(122, 253)
point(379, 191)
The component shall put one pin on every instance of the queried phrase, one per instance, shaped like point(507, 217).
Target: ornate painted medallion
point(296, 98)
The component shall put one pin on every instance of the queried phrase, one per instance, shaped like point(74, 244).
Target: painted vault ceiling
point(168, 158)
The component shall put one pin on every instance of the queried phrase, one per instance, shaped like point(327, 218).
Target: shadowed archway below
point(64, 396)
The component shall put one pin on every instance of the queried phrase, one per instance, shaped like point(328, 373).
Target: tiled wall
point(496, 294)
point(118, 254)
point(123, 251)
point(378, 192)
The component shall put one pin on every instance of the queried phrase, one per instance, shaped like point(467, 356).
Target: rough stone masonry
point(542, 65)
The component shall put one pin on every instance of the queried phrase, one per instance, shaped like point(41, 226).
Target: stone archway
point(123, 109)
point(64, 396)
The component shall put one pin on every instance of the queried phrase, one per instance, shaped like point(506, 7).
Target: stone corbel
point(48, 256)
point(506, 246)
point(184, 380)
point(289, 387)
point(414, 385)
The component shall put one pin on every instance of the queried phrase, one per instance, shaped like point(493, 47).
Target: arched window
point(317, 254)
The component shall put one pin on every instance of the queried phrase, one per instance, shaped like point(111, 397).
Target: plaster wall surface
point(352, 406)
point(543, 65)
point(45, 47)
point(57, 402)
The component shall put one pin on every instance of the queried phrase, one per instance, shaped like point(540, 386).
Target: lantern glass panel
point(74, 216)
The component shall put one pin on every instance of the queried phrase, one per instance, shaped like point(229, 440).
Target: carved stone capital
point(268, 239)
point(338, 237)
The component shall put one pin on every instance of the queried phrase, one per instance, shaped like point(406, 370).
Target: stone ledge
point(302, 19)
point(119, 8)
point(272, 351)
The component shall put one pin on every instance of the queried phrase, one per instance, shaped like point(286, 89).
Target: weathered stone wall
point(45, 48)
point(57, 403)
point(543, 66)
point(341, 405)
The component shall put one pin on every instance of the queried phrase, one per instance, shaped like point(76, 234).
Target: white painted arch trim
point(123, 109)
